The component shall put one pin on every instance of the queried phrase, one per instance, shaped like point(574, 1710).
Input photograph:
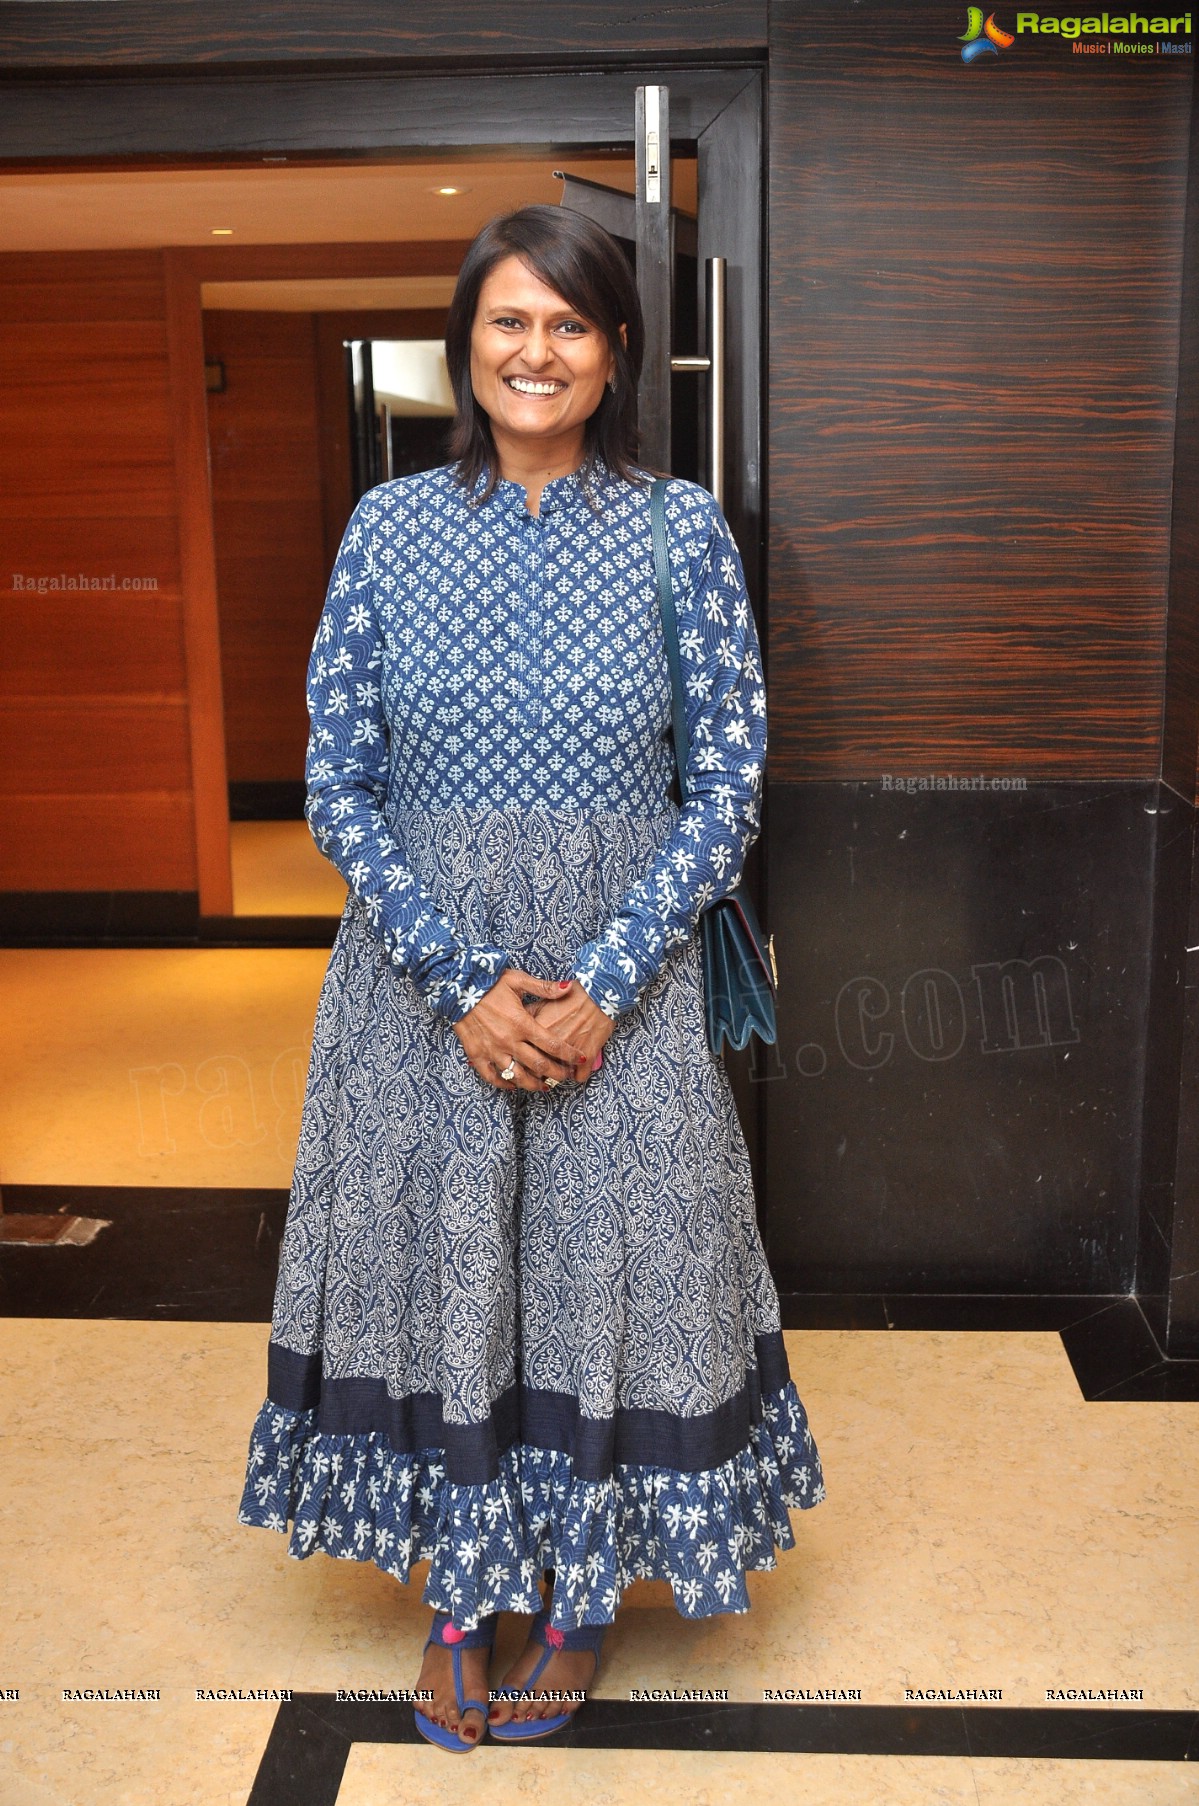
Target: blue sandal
point(445, 1633)
point(588, 1636)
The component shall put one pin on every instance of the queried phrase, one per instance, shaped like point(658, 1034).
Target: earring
point(612, 384)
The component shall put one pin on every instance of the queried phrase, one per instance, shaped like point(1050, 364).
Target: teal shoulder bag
point(740, 976)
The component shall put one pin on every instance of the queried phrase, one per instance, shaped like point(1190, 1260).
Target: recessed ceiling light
point(449, 189)
point(222, 231)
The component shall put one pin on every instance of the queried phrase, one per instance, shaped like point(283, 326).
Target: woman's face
point(537, 367)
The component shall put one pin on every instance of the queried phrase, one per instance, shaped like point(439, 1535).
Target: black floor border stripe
point(306, 1754)
point(209, 1254)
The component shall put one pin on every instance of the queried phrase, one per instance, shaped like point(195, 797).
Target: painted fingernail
point(564, 984)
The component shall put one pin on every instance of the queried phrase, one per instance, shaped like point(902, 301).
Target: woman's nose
point(537, 349)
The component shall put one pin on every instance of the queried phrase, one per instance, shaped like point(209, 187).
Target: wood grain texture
point(197, 563)
point(282, 263)
point(121, 841)
point(93, 687)
point(1180, 733)
point(94, 745)
point(125, 644)
point(136, 32)
point(973, 350)
point(333, 429)
point(89, 287)
point(267, 519)
point(230, 113)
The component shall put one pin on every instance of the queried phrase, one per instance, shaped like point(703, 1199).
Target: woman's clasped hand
point(558, 1035)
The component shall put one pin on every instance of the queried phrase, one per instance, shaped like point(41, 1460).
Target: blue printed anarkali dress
point(515, 1330)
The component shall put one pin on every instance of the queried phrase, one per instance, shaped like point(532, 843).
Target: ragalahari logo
point(982, 37)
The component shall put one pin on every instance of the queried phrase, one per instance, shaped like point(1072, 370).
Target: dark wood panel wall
point(95, 771)
point(974, 308)
point(143, 32)
point(1168, 1265)
point(1180, 733)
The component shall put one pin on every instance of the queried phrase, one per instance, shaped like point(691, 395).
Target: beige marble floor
point(278, 871)
point(984, 1526)
point(377, 1773)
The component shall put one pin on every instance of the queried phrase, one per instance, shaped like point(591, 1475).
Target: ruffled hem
point(358, 1499)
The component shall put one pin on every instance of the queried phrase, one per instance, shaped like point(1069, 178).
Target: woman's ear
point(624, 339)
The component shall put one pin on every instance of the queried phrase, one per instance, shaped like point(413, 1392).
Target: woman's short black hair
point(586, 266)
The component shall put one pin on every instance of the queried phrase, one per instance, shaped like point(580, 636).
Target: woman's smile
point(525, 385)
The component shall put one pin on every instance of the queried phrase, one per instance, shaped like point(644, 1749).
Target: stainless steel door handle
point(714, 364)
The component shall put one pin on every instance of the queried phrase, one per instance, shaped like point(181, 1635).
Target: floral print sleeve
point(346, 773)
point(725, 699)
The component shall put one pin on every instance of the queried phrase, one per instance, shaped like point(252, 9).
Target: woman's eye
point(574, 328)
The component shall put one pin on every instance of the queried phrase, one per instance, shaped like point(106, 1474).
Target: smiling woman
point(524, 1326)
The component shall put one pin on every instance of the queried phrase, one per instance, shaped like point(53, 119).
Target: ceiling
point(309, 203)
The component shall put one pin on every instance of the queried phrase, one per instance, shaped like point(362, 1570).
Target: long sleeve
point(346, 776)
point(725, 700)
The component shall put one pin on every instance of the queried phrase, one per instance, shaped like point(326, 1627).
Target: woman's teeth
point(528, 388)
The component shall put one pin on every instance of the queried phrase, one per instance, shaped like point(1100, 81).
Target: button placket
point(532, 592)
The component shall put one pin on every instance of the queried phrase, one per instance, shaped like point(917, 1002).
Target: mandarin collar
point(581, 490)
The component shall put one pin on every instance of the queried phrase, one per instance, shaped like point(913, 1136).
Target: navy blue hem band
point(549, 1420)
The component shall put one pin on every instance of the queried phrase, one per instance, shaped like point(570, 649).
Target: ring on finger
point(509, 1071)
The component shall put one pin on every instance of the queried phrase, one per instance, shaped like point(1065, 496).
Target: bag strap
point(670, 629)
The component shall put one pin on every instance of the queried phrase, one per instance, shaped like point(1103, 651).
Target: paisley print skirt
point(518, 1330)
